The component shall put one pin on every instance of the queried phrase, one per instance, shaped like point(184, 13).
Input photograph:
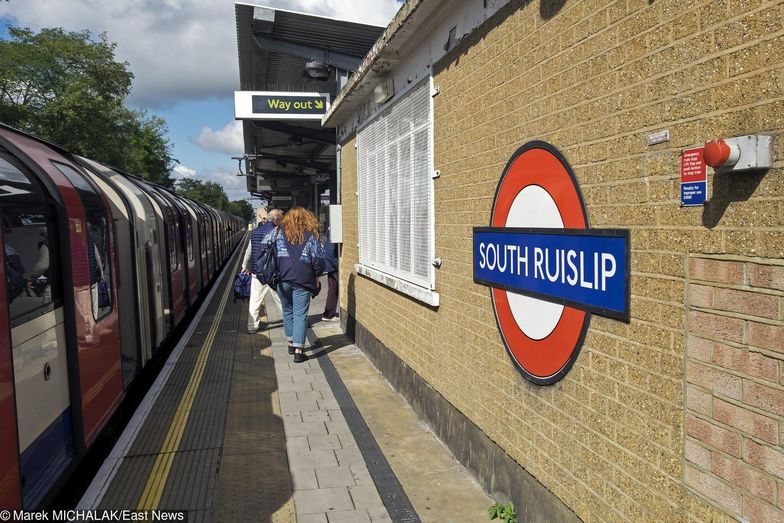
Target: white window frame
point(419, 288)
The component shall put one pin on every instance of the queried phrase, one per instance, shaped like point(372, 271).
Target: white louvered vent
point(395, 161)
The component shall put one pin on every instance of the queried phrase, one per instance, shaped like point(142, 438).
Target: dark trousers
point(330, 309)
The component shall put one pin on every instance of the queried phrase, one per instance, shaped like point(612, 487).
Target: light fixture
point(384, 90)
point(239, 165)
point(317, 70)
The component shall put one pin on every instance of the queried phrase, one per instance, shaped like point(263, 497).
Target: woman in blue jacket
point(300, 263)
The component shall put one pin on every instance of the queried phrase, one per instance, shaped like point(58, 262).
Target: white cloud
point(234, 186)
point(227, 140)
point(177, 49)
point(180, 171)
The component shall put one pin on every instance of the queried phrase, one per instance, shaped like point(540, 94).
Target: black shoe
point(291, 349)
point(299, 357)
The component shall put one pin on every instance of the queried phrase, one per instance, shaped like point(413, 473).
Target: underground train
point(99, 268)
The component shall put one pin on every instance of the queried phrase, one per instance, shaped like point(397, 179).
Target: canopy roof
point(274, 45)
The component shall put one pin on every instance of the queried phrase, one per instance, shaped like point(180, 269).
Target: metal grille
point(395, 160)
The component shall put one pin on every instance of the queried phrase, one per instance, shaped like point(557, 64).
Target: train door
point(194, 214)
point(10, 479)
point(157, 259)
point(147, 275)
point(95, 295)
point(173, 249)
point(127, 292)
point(33, 301)
point(186, 248)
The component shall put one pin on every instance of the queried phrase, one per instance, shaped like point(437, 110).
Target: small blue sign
point(583, 268)
point(694, 193)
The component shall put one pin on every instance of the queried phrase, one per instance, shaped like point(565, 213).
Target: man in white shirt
point(258, 291)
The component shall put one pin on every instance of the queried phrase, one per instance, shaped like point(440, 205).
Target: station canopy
point(287, 60)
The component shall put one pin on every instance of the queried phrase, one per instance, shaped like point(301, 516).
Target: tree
point(66, 87)
point(206, 192)
point(243, 209)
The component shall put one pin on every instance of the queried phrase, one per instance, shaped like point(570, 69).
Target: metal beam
point(334, 58)
point(305, 132)
point(301, 161)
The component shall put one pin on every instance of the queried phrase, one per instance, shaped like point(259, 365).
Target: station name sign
point(581, 268)
point(283, 105)
point(546, 268)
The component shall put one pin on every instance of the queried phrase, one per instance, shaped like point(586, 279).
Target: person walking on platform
point(300, 258)
point(257, 289)
point(331, 268)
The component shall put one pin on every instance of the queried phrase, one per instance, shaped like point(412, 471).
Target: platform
point(234, 430)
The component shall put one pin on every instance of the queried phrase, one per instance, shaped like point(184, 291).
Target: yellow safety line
point(151, 495)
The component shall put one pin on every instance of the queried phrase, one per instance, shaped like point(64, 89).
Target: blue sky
point(184, 58)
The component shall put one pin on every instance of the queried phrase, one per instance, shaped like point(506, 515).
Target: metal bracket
point(436, 174)
point(434, 91)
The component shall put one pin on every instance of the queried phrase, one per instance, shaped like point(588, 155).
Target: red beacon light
point(719, 153)
point(742, 153)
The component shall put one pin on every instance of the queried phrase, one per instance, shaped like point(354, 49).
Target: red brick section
point(734, 399)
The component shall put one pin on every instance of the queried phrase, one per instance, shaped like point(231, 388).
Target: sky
point(183, 54)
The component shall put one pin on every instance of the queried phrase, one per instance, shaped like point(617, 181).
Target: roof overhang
point(404, 31)
point(274, 46)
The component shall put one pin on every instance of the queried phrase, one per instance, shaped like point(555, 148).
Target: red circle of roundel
point(547, 360)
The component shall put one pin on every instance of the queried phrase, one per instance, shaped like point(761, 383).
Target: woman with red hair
point(300, 263)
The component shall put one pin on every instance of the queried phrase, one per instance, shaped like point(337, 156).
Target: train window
point(173, 262)
point(32, 271)
point(189, 238)
point(99, 261)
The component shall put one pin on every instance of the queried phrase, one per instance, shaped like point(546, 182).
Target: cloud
point(227, 140)
point(234, 186)
point(177, 49)
point(180, 171)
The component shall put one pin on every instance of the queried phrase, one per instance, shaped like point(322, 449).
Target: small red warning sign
point(693, 166)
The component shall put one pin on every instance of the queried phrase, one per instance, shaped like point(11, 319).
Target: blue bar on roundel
point(587, 269)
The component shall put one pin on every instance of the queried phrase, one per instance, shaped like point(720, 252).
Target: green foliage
point(67, 88)
point(242, 208)
point(206, 192)
point(505, 513)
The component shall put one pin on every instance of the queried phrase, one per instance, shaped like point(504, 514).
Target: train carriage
point(98, 268)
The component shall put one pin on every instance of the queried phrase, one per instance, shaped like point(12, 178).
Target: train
point(99, 269)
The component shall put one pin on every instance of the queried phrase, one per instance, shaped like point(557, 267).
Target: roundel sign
point(548, 271)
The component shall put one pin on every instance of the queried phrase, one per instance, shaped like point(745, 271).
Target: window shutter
point(395, 189)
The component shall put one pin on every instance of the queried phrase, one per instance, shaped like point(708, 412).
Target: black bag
point(267, 265)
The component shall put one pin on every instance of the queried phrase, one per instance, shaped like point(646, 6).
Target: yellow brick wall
point(595, 78)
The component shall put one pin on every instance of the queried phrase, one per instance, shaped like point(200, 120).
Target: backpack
point(14, 274)
point(242, 287)
point(267, 265)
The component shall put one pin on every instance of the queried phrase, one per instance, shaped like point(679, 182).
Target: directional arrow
point(319, 104)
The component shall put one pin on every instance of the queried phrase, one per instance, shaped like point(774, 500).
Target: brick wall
point(595, 77)
point(735, 386)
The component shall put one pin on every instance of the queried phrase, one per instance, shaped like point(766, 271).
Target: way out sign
point(547, 270)
point(268, 105)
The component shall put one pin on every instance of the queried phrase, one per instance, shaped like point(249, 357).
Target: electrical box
point(336, 223)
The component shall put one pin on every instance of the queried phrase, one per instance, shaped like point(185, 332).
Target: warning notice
point(694, 177)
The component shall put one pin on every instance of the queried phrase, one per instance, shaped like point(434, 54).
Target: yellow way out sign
point(267, 105)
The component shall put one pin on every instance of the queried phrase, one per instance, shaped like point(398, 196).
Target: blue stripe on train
point(46, 458)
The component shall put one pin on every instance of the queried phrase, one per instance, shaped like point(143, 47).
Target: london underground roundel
point(548, 271)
